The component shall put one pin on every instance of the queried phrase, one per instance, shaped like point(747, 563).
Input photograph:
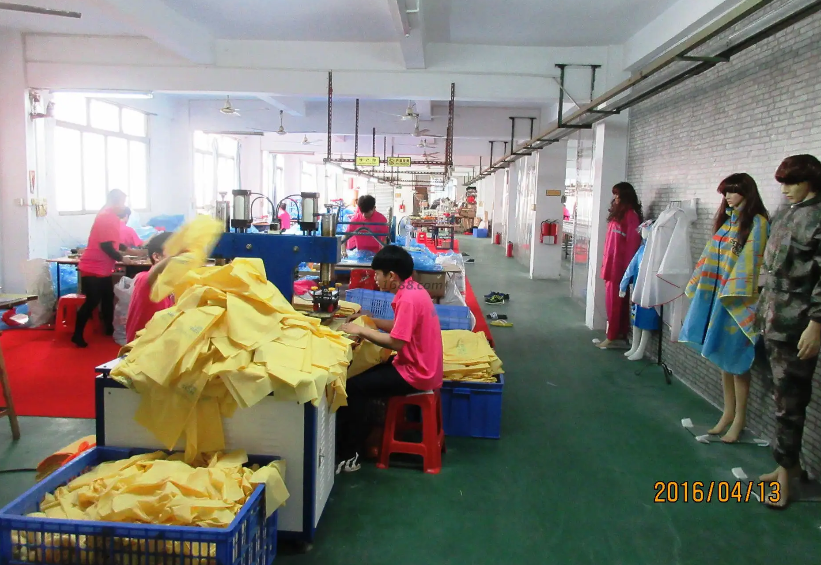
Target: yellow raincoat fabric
point(152, 488)
point(230, 340)
point(469, 357)
point(367, 354)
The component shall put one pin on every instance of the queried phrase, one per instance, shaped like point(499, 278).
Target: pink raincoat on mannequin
point(623, 240)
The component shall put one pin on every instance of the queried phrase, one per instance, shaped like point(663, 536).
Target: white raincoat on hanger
point(667, 264)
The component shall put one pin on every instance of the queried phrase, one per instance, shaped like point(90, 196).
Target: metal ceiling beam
point(756, 32)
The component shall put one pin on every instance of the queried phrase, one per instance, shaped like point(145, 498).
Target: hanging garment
point(623, 239)
point(724, 293)
point(642, 318)
point(667, 264)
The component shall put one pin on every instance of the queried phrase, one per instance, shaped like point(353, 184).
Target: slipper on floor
point(501, 323)
point(495, 316)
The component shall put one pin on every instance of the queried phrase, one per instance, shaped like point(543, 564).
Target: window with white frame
point(273, 176)
point(215, 168)
point(98, 147)
point(308, 177)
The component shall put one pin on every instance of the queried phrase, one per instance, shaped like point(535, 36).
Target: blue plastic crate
point(376, 302)
point(479, 232)
point(472, 409)
point(453, 317)
point(250, 539)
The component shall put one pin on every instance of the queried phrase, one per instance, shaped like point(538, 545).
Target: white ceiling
point(488, 22)
point(292, 20)
point(93, 22)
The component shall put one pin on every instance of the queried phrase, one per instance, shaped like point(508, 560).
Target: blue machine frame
point(281, 254)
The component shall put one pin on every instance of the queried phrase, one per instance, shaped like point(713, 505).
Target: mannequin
point(644, 319)
point(789, 314)
point(622, 241)
point(724, 294)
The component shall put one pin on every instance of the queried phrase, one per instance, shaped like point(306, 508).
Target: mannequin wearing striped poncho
point(720, 321)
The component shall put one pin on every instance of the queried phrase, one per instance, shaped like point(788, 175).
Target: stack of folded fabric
point(230, 340)
point(469, 357)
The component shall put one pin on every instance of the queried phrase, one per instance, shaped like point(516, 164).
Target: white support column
point(609, 168)
point(14, 219)
point(546, 260)
point(511, 191)
point(498, 180)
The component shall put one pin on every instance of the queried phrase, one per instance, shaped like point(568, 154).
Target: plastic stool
point(67, 308)
point(433, 434)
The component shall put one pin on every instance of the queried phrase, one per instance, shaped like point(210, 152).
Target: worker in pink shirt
point(128, 236)
point(414, 334)
point(141, 308)
point(97, 265)
point(284, 217)
point(367, 213)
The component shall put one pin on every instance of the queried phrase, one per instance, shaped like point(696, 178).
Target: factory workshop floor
point(584, 441)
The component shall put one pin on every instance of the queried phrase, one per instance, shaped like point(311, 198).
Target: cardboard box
point(434, 282)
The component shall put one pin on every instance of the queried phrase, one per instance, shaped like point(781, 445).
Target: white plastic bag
point(122, 291)
point(457, 260)
point(38, 282)
point(454, 298)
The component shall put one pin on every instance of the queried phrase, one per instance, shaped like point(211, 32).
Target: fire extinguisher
point(549, 230)
point(402, 207)
point(497, 239)
point(509, 252)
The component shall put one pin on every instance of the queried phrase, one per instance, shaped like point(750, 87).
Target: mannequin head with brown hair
point(800, 177)
point(624, 199)
point(740, 191)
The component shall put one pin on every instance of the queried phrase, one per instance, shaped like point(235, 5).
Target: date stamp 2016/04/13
point(720, 491)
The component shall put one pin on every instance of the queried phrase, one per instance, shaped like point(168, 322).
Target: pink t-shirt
point(94, 261)
point(284, 220)
point(129, 237)
point(421, 360)
point(142, 309)
point(367, 242)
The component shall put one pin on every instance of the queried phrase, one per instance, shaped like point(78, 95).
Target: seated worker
point(414, 334)
point(367, 213)
point(128, 236)
point(142, 308)
point(284, 217)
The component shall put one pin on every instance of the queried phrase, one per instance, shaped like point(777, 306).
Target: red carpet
point(470, 298)
point(50, 376)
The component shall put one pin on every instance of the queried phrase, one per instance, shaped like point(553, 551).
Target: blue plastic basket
point(453, 317)
point(250, 539)
point(374, 301)
point(472, 409)
point(379, 304)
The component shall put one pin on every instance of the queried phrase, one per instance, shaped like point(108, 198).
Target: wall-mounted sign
point(399, 161)
point(367, 161)
point(554, 192)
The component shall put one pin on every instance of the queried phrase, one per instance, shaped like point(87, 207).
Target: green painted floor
point(584, 440)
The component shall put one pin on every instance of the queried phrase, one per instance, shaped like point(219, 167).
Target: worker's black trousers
point(353, 424)
point(99, 291)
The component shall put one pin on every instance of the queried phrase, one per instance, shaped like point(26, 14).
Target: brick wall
point(741, 116)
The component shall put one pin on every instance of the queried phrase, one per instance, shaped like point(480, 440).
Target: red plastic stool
point(433, 434)
point(363, 278)
point(67, 308)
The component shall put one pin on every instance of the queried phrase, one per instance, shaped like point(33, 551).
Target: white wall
point(15, 220)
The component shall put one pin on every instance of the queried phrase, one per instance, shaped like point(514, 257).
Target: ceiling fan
point(229, 110)
point(422, 132)
point(281, 130)
point(39, 10)
point(409, 114)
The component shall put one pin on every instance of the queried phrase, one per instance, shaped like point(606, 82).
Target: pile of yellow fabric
point(367, 354)
point(152, 488)
point(469, 357)
point(230, 340)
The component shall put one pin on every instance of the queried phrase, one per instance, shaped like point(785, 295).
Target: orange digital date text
point(716, 491)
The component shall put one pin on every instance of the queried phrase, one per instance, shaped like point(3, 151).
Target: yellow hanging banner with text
point(367, 161)
point(399, 161)
point(554, 193)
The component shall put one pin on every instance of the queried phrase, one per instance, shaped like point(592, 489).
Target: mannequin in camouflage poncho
point(790, 312)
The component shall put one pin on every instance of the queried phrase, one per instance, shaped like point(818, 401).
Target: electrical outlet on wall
point(21, 202)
